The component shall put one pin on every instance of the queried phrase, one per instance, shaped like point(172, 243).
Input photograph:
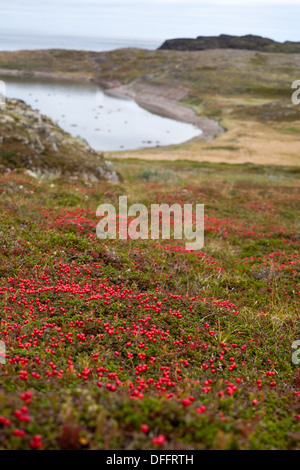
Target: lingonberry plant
point(142, 344)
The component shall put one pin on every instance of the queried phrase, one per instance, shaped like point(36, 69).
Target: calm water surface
point(105, 122)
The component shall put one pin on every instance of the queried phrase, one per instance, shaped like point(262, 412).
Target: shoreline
point(162, 99)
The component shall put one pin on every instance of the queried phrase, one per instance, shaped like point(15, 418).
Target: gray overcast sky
point(153, 19)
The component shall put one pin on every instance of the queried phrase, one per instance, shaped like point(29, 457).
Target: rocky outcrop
point(225, 41)
point(33, 142)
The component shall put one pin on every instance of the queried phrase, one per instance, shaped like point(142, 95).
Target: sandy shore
point(162, 100)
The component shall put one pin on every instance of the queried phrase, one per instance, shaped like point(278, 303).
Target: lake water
point(106, 123)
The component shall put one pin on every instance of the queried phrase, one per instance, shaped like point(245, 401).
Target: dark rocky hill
point(225, 41)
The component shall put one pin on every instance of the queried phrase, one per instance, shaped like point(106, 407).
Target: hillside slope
point(247, 92)
point(142, 344)
point(33, 142)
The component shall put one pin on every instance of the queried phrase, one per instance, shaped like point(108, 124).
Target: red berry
point(145, 428)
point(160, 440)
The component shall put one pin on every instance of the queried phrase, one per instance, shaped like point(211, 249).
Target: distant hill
point(225, 41)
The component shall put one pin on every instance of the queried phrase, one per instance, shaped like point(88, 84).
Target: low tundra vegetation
point(123, 344)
